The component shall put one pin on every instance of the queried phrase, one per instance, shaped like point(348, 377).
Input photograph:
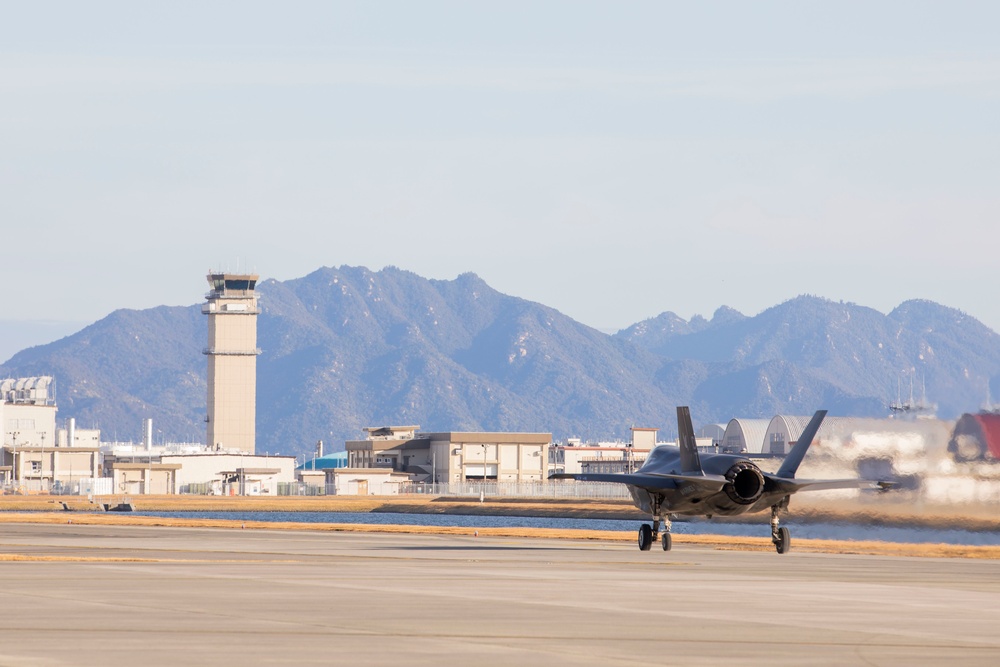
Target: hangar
point(744, 436)
point(976, 437)
point(775, 437)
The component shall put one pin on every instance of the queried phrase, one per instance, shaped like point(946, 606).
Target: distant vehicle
point(976, 438)
point(883, 468)
point(676, 481)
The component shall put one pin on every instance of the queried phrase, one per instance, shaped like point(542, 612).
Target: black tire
point(645, 537)
point(784, 542)
point(666, 541)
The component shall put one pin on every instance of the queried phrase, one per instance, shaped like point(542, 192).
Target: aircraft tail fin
point(794, 458)
point(690, 461)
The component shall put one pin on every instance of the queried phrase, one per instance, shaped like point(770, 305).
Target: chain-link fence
point(546, 489)
point(70, 486)
point(549, 489)
point(477, 489)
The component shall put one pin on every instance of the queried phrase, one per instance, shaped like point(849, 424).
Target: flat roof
point(368, 472)
point(584, 448)
point(51, 448)
point(393, 443)
point(120, 465)
point(491, 437)
point(245, 455)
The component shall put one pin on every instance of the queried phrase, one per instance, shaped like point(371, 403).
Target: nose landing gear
point(648, 533)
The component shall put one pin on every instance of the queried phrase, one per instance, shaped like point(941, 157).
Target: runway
point(127, 595)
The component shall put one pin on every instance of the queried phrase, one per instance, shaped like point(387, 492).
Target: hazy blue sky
point(612, 160)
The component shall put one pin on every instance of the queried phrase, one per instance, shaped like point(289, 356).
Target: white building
point(604, 457)
point(172, 469)
point(232, 473)
point(34, 457)
point(448, 457)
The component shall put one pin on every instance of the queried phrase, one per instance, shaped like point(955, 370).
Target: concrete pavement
point(125, 595)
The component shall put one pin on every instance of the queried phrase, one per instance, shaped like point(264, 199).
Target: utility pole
point(13, 438)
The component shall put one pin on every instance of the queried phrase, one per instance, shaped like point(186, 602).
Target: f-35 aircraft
point(678, 481)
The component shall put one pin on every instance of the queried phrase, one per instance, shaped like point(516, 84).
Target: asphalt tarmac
point(123, 595)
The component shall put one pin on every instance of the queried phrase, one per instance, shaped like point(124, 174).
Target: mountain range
point(344, 348)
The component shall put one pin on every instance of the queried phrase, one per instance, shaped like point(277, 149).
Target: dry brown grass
point(715, 541)
point(873, 511)
point(31, 558)
point(185, 503)
point(416, 504)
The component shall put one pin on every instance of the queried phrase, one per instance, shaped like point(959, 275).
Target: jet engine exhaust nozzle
point(746, 483)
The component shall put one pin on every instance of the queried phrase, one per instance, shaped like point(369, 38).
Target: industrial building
point(169, 469)
point(313, 472)
point(398, 454)
point(605, 457)
point(36, 456)
point(28, 411)
point(140, 475)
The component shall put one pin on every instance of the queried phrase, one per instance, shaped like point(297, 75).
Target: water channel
point(800, 529)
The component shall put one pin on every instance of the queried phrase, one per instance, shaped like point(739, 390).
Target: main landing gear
point(780, 536)
point(649, 533)
point(645, 537)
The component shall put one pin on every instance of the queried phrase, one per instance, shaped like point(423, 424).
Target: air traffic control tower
point(232, 361)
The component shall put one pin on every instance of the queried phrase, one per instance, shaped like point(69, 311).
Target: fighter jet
point(678, 481)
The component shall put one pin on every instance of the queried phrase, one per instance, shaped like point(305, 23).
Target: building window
point(36, 467)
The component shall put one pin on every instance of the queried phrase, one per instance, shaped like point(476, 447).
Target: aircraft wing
point(790, 485)
point(708, 482)
point(650, 480)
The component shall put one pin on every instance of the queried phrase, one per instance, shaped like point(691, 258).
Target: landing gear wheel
point(783, 540)
point(665, 540)
point(645, 537)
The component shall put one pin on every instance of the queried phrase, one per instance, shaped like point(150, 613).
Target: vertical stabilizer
point(690, 461)
point(794, 458)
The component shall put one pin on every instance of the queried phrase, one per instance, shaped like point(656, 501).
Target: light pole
point(41, 474)
point(483, 494)
point(13, 462)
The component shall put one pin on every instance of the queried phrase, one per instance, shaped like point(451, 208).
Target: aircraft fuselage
point(746, 489)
